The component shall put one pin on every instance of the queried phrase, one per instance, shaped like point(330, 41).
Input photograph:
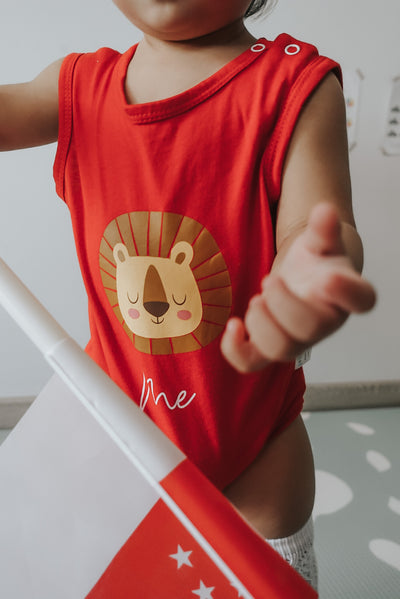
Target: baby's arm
point(315, 282)
point(29, 111)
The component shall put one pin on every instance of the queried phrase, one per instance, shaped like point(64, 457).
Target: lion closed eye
point(131, 300)
point(177, 302)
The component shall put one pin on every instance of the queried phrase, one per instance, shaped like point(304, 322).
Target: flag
point(97, 503)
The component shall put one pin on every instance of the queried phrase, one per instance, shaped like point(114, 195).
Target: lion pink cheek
point(133, 313)
point(184, 315)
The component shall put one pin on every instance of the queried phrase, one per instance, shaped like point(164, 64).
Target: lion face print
point(158, 297)
point(166, 280)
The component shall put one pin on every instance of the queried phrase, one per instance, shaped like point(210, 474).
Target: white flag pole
point(28, 312)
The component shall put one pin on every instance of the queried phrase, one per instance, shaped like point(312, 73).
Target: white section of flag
point(69, 500)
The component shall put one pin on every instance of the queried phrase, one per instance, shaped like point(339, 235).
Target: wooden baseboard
point(352, 396)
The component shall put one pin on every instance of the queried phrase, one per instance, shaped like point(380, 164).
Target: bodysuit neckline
point(173, 106)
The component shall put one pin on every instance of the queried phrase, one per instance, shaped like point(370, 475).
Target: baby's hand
point(306, 298)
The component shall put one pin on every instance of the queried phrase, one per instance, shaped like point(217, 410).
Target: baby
point(206, 173)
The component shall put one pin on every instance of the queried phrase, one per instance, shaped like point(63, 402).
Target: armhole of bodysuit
point(65, 94)
point(301, 90)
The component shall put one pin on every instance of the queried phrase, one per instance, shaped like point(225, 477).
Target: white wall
point(35, 235)
point(361, 34)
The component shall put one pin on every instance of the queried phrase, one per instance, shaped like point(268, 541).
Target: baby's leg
point(276, 496)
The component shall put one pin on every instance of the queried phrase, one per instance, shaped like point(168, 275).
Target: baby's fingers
point(350, 292)
point(238, 350)
point(303, 321)
point(282, 326)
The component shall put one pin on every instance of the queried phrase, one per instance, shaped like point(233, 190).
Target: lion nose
point(156, 309)
point(154, 297)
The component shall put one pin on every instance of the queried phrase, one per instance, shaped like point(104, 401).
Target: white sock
point(298, 551)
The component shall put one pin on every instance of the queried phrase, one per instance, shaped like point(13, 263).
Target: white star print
point(236, 587)
point(204, 592)
point(182, 558)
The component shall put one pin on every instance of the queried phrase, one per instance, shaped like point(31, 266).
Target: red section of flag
point(161, 560)
point(261, 570)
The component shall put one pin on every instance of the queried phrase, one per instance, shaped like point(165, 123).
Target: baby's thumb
point(323, 233)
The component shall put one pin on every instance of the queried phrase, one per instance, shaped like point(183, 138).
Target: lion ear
point(182, 253)
point(120, 253)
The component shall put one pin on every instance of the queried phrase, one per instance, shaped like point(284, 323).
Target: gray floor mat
point(357, 513)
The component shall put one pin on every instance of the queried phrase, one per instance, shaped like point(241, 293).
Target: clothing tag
point(302, 359)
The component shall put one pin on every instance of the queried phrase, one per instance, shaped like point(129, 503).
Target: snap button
point(258, 48)
point(292, 49)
